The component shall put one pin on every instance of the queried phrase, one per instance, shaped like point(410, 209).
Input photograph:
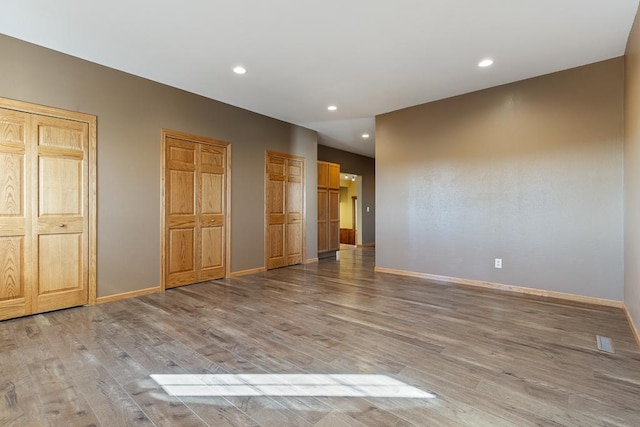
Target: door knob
point(61, 225)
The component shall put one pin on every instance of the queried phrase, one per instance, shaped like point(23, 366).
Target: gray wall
point(365, 167)
point(131, 111)
point(530, 172)
point(632, 175)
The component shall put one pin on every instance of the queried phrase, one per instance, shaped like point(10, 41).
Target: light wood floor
point(491, 358)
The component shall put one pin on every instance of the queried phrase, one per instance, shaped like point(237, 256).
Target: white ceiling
point(366, 56)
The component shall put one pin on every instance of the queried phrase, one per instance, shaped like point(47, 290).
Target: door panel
point(56, 272)
point(60, 240)
point(61, 188)
point(182, 191)
point(11, 268)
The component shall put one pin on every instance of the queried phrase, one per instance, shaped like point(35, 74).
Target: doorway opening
point(350, 210)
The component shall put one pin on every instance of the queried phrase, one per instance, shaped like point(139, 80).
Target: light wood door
point(60, 228)
point(195, 209)
point(44, 212)
point(284, 209)
point(212, 201)
point(334, 219)
point(15, 216)
point(323, 220)
point(328, 207)
point(295, 208)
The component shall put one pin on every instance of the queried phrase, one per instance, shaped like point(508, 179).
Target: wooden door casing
point(47, 209)
point(196, 221)
point(284, 210)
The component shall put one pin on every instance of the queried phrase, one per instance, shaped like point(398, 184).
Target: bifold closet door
point(15, 216)
point(284, 206)
point(195, 204)
point(61, 226)
point(44, 220)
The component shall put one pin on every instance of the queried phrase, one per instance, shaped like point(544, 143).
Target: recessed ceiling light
point(240, 70)
point(332, 108)
point(365, 135)
point(485, 63)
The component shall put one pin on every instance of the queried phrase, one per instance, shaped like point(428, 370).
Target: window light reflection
point(299, 385)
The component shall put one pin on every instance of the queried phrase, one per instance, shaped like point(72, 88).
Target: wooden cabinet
point(348, 236)
point(45, 211)
point(328, 207)
point(195, 244)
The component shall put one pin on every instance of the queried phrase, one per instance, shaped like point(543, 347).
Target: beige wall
point(530, 172)
point(131, 111)
point(632, 175)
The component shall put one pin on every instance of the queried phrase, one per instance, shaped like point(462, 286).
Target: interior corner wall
point(530, 172)
point(131, 112)
point(632, 175)
point(365, 167)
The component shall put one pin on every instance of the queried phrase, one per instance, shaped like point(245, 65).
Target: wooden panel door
point(328, 207)
point(61, 224)
point(47, 209)
point(284, 210)
point(195, 209)
point(15, 216)
point(295, 202)
point(323, 220)
point(334, 219)
point(275, 204)
point(180, 212)
point(212, 202)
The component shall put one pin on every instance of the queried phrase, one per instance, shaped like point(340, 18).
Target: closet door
point(180, 213)
point(284, 210)
point(295, 201)
point(275, 204)
point(211, 197)
point(15, 216)
point(47, 258)
point(60, 225)
point(334, 219)
point(328, 207)
point(195, 242)
point(323, 220)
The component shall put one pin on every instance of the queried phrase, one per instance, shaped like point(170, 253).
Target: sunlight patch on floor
point(299, 385)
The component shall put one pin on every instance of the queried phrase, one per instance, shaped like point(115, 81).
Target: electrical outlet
point(498, 263)
point(367, 208)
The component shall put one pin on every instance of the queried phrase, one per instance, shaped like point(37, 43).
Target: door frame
point(167, 133)
point(91, 121)
point(269, 153)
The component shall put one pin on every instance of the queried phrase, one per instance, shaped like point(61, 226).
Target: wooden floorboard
point(491, 358)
